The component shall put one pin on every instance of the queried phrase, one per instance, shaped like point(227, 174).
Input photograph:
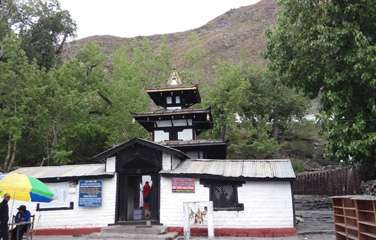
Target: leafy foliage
point(328, 49)
point(74, 110)
point(42, 26)
point(19, 85)
point(127, 96)
point(252, 110)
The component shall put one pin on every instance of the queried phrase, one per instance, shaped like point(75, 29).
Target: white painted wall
point(111, 164)
point(78, 216)
point(266, 205)
point(175, 162)
point(169, 161)
point(166, 161)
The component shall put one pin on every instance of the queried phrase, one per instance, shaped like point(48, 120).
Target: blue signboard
point(90, 193)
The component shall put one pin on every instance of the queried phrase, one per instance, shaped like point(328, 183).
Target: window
point(195, 155)
point(160, 136)
point(63, 197)
point(164, 123)
point(180, 123)
point(224, 195)
point(177, 99)
point(169, 100)
point(185, 134)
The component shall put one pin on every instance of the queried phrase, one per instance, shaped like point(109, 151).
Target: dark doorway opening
point(131, 206)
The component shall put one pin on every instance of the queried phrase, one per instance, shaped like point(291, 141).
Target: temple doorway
point(138, 198)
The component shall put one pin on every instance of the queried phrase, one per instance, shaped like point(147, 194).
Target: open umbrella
point(24, 188)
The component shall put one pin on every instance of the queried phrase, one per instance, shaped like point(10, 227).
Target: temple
point(173, 180)
point(176, 124)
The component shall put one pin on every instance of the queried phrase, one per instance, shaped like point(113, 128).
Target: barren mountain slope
point(235, 35)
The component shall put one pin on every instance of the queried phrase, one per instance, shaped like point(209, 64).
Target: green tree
point(252, 110)
point(127, 96)
point(7, 11)
point(328, 49)
point(193, 72)
point(153, 66)
point(18, 86)
point(68, 113)
point(42, 25)
point(76, 107)
point(226, 98)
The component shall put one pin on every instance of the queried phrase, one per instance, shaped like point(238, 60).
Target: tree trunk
point(61, 45)
point(275, 131)
point(54, 137)
point(12, 156)
point(7, 157)
point(52, 143)
point(43, 161)
point(224, 132)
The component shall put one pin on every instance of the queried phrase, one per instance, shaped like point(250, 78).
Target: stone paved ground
point(299, 237)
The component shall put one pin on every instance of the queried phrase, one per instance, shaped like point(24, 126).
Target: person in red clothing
point(146, 193)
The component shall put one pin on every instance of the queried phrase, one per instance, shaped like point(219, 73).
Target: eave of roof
point(119, 147)
point(171, 89)
point(171, 112)
point(66, 172)
point(197, 142)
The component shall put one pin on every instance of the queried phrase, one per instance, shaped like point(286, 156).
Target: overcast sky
point(129, 18)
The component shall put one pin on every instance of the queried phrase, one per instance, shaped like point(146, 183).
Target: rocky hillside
point(239, 34)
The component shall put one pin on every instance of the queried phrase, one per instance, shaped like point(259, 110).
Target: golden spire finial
point(174, 78)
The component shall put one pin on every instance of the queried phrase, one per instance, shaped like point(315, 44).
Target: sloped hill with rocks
point(238, 34)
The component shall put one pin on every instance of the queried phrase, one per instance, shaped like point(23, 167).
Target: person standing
point(146, 192)
point(4, 217)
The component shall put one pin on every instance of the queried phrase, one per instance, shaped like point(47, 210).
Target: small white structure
point(64, 212)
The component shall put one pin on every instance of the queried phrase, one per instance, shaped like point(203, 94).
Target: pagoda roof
point(189, 95)
point(201, 118)
point(172, 89)
point(195, 142)
point(172, 112)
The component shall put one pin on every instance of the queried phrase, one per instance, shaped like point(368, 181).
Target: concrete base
point(66, 231)
point(239, 232)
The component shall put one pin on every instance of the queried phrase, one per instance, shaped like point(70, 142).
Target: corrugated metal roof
point(64, 171)
point(357, 197)
point(231, 168)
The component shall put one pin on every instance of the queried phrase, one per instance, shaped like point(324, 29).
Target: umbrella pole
point(11, 211)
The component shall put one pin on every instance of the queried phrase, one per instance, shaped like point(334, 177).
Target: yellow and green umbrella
point(24, 188)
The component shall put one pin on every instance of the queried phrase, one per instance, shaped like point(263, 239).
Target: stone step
point(131, 229)
point(133, 236)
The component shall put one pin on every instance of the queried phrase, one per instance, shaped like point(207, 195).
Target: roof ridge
point(173, 88)
point(175, 110)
